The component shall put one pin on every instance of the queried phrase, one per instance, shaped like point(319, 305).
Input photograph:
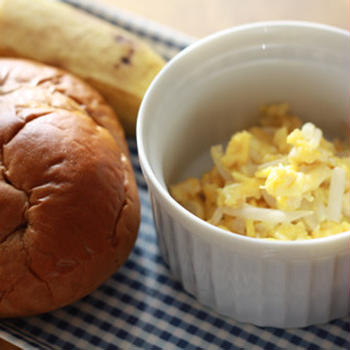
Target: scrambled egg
point(281, 180)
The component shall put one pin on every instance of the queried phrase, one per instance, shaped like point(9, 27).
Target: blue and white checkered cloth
point(141, 306)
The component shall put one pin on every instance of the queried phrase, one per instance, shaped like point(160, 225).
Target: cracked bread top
point(69, 208)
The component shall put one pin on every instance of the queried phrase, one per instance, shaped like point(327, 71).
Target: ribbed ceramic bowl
point(203, 95)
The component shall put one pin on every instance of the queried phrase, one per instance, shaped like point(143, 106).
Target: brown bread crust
point(69, 208)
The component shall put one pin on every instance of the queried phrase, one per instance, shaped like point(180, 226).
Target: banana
point(118, 64)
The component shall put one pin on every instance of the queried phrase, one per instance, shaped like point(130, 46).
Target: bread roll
point(69, 208)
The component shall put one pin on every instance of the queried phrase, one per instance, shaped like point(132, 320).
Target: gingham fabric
point(141, 306)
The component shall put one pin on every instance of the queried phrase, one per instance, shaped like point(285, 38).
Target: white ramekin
point(202, 96)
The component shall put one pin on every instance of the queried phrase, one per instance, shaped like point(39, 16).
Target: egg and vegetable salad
point(281, 180)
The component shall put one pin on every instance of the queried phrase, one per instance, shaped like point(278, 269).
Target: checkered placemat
point(141, 306)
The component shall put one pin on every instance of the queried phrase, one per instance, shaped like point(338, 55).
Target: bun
point(69, 208)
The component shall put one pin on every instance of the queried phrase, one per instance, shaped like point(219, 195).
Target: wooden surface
point(201, 17)
point(4, 345)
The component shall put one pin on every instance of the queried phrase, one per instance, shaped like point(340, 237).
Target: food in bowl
point(69, 207)
point(188, 108)
point(280, 180)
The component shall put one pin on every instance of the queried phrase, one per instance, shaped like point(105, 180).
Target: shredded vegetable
point(336, 191)
point(263, 214)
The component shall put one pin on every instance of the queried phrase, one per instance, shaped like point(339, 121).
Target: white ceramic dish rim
point(187, 218)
